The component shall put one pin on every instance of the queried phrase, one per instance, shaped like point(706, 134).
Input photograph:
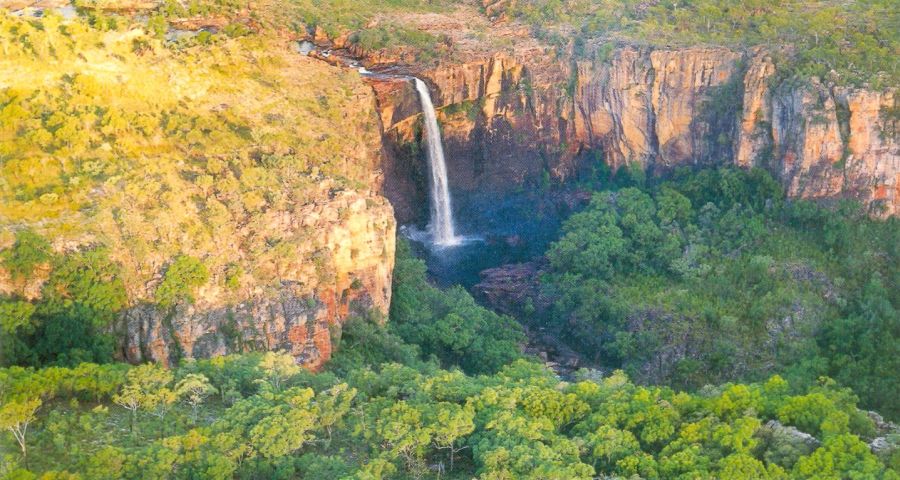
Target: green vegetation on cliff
point(114, 140)
point(70, 322)
point(859, 40)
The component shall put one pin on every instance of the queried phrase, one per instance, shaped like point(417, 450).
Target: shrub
point(183, 275)
point(29, 251)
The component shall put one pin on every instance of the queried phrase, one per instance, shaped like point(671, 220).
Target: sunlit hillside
point(111, 136)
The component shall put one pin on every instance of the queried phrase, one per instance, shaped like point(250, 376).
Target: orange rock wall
point(509, 117)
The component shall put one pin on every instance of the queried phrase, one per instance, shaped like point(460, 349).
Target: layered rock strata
point(511, 117)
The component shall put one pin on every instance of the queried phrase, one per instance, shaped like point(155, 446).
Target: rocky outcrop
point(509, 118)
point(778, 435)
point(347, 271)
point(513, 289)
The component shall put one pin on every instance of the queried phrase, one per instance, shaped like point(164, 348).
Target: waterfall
point(441, 225)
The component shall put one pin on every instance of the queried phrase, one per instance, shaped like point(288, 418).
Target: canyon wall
point(346, 270)
point(510, 117)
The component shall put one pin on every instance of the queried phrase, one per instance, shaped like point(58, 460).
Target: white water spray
point(441, 226)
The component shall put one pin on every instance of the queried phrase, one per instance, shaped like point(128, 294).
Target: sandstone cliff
point(343, 267)
point(512, 114)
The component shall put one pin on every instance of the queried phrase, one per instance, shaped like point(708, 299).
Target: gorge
point(525, 131)
point(449, 239)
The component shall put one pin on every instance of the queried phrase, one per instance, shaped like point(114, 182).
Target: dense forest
point(445, 407)
point(713, 276)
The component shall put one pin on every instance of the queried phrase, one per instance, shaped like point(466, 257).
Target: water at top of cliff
point(443, 232)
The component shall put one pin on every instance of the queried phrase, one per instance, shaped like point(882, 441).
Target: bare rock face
point(510, 117)
point(679, 97)
point(822, 141)
point(347, 270)
point(873, 149)
point(807, 140)
point(613, 110)
point(754, 135)
point(648, 107)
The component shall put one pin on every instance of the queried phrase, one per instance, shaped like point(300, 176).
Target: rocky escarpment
point(264, 177)
point(498, 131)
point(316, 285)
point(510, 117)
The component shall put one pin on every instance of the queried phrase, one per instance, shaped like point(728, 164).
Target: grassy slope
point(859, 39)
point(111, 136)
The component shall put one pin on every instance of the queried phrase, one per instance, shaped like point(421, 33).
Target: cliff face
point(837, 142)
point(651, 107)
point(509, 117)
point(316, 285)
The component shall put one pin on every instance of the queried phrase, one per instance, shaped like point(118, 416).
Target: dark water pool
point(498, 229)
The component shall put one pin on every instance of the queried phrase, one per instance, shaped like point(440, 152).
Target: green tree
point(28, 251)
point(449, 324)
point(162, 404)
point(285, 427)
point(16, 315)
point(194, 388)
point(608, 445)
point(865, 353)
point(840, 456)
point(402, 427)
point(450, 424)
point(141, 391)
point(278, 368)
point(15, 417)
point(332, 405)
point(184, 274)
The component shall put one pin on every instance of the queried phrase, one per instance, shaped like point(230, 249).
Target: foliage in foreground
point(260, 416)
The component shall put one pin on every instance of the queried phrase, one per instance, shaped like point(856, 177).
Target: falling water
point(441, 225)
